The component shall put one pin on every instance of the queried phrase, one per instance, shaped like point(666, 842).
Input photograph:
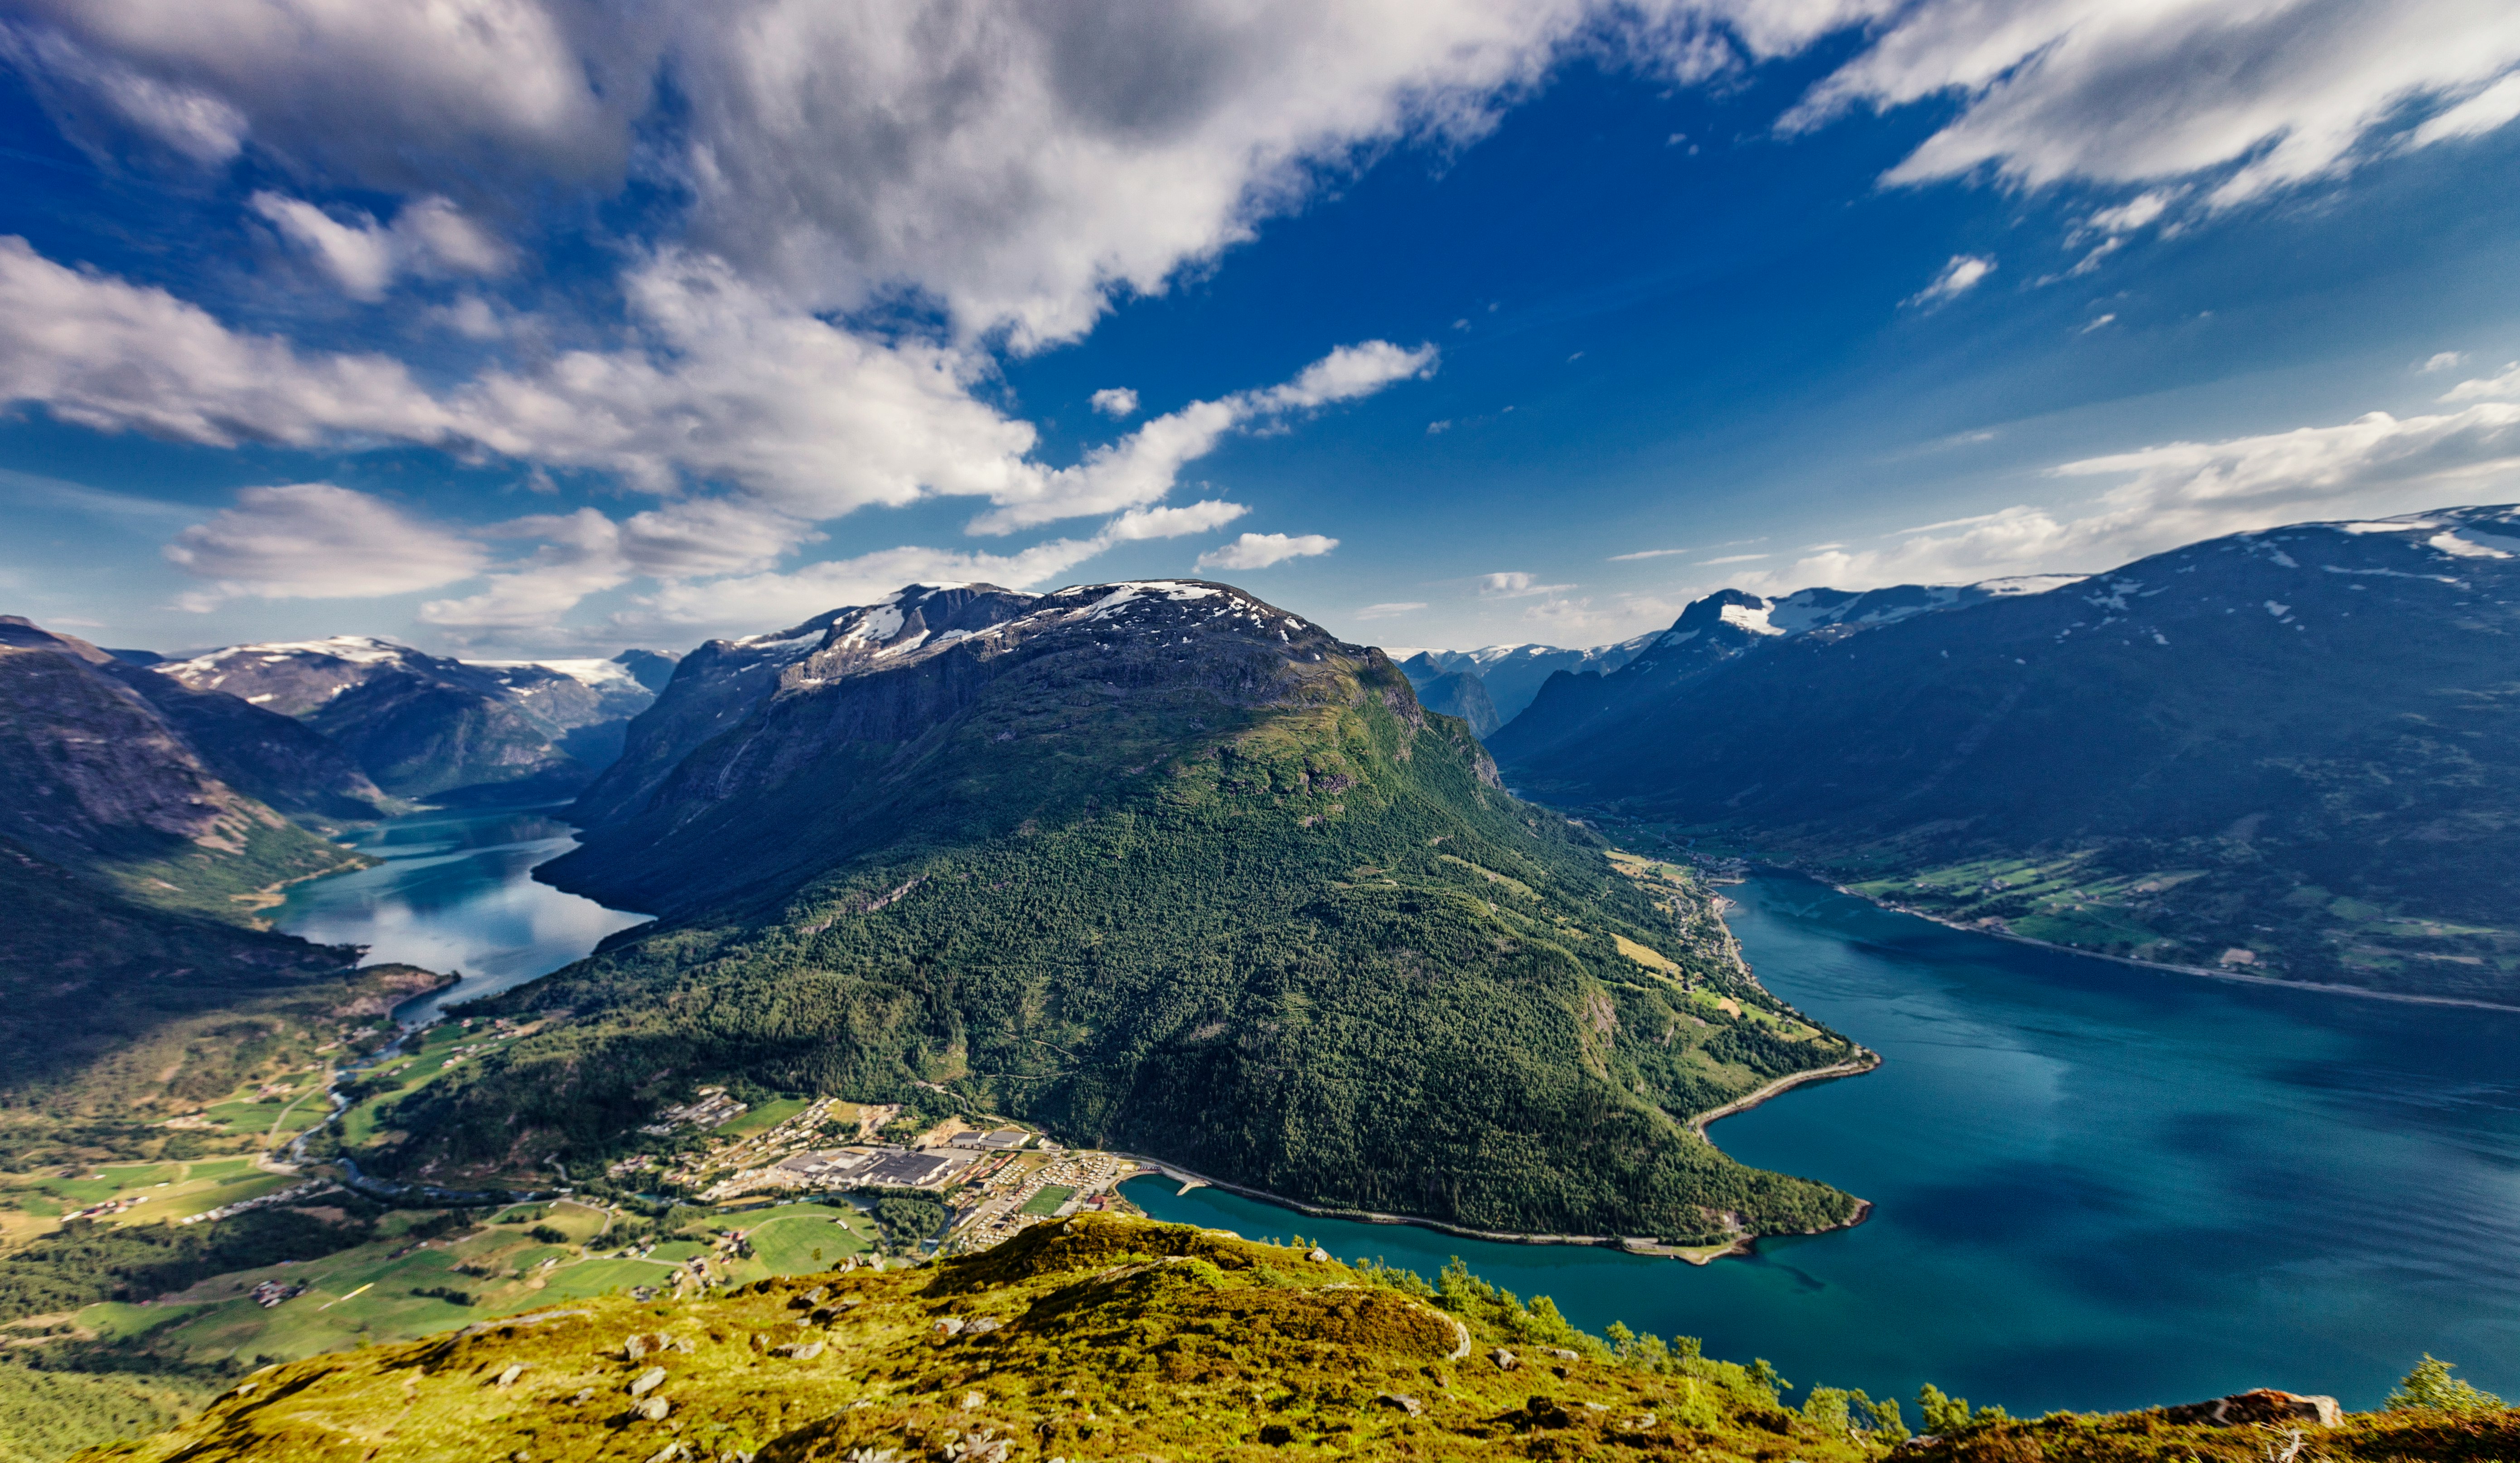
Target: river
point(2094, 1186)
point(456, 893)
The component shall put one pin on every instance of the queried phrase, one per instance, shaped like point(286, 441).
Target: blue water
point(455, 893)
point(2094, 1186)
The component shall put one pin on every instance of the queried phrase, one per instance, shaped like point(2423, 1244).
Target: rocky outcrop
point(2265, 1405)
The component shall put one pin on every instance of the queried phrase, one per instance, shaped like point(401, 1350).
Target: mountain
point(2289, 753)
point(1462, 694)
point(1155, 864)
point(424, 726)
point(1098, 1335)
point(1511, 675)
point(135, 984)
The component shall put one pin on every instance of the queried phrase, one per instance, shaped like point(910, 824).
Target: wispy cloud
point(1957, 278)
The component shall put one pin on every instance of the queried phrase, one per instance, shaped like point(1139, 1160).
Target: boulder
point(648, 1380)
point(1401, 1401)
point(1505, 1360)
point(2266, 1404)
point(654, 1409)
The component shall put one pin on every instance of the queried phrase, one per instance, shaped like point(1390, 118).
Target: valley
point(1038, 795)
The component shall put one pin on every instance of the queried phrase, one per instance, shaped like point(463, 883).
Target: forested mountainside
point(1157, 865)
point(135, 982)
point(424, 726)
point(2291, 752)
point(1106, 1337)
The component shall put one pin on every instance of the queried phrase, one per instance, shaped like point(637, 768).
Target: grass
point(764, 1117)
point(1122, 1338)
point(1048, 1199)
point(800, 1244)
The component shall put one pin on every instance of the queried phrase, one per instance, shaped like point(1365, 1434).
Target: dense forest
point(1266, 918)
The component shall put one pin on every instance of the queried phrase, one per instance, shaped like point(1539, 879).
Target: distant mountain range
point(2291, 752)
point(424, 726)
point(1157, 865)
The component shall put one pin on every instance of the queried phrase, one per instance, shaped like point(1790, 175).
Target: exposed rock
point(2265, 1405)
point(1505, 1360)
point(507, 1375)
point(951, 1325)
point(648, 1380)
point(801, 1351)
point(654, 1409)
point(1319, 1255)
point(1400, 1400)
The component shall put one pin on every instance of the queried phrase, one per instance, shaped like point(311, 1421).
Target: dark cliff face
point(784, 730)
point(278, 759)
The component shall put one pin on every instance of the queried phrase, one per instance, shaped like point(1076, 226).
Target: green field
point(800, 1244)
point(1048, 1201)
point(764, 1117)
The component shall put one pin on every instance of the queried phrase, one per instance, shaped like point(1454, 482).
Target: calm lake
point(2094, 1186)
point(454, 893)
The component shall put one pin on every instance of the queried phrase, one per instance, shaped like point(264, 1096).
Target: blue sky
point(521, 327)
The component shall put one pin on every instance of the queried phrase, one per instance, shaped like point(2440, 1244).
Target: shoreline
point(1741, 1246)
point(1867, 1060)
point(2323, 987)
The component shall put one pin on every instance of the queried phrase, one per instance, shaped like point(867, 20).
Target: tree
point(2430, 1385)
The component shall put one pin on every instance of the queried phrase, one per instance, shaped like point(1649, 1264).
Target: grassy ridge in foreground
point(1104, 1338)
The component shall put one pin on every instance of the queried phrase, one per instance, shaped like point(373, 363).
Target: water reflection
point(456, 893)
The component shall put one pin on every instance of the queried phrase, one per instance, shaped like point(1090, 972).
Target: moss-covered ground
point(1100, 1337)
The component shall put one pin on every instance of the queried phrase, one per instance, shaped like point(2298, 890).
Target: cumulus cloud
point(363, 256)
point(753, 602)
point(1260, 550)
point(1116, 401)
point(2180, 492)
point(314, 540)
point(1174, 522)
point(1958, 277)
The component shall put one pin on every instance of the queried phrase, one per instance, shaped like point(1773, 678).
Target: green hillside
point(1244, 907)
point(1106, 1338)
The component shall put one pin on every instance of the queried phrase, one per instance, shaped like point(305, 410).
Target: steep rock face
point(1159, 864)
point(421, 725)
point(2292, 751)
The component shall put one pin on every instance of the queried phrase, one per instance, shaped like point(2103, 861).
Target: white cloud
point(1143, 465)
point(1960, 276)
point(2483, 113)
point(1735, 559)
point(1387, 609)
point(1116, 401)
point(2447, 360)
point(751, 602)
point(2180, 492)
point(314, 540)
point(2273, 91)
point(1646, 554)
point(2488, 388)
point(1260, 550)
point(2096, 322)
point(117, 356)
point(2134, 213)
point(1174, 522)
